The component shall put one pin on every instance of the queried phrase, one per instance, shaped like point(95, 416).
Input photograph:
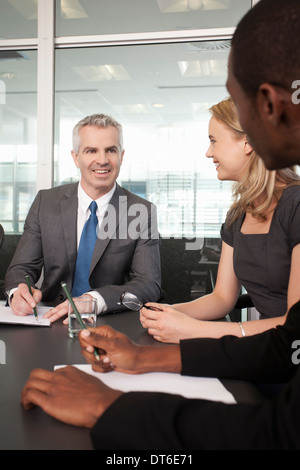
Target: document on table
point(176, 384)
point(8, 317)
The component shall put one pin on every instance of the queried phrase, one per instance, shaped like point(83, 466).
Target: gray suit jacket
point(123, 259)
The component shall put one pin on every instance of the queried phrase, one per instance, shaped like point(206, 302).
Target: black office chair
point(244, 301)
point(1, 236)
point(2, 297)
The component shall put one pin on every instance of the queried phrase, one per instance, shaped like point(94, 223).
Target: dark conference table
point(29, 347)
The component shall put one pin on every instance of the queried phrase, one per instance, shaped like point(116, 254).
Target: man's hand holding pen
point(117, 352)
point(22, 302)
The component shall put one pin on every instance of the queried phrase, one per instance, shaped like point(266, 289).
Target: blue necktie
point(85, 253)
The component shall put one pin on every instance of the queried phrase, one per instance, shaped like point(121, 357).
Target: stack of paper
point(7, 316)
point(176, 384)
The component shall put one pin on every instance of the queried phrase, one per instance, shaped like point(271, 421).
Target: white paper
point(176, 384)
point(7, 316)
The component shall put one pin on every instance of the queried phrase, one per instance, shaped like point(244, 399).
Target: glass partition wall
point(155, 65)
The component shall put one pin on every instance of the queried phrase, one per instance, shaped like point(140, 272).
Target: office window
point(86, 17)
point(18, 19)
point(18, 151)
point(158, 87)
point(161, 95)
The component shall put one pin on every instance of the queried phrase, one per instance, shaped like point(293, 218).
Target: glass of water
point(87, 309)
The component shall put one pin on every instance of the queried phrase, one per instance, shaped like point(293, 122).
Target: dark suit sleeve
point(28, 257)
point(143, 276)
point(48, 243)
point(265, 357)
point(161, 421)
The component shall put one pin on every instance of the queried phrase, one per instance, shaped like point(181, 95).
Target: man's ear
point(74, 156)
point(272, 103)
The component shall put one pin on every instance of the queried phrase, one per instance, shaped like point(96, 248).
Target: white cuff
point(101, 305)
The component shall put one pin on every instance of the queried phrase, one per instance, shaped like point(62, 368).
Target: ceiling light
point(138, 108)
point(180, 6)
point(71, 9)
point(103, 73)
point(27, 8)
point(8, 75)
point(172, 6)
point(195, 4)
point(194, 68)
point(216, 4)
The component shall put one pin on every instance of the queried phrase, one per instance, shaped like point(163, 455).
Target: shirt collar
point(84, 200)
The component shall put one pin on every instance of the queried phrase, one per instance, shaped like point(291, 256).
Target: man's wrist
point(105, 401)
point(101, 305)
point(164, 358)
point(10, 294)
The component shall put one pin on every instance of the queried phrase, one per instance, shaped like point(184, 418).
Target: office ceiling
point(158, 83)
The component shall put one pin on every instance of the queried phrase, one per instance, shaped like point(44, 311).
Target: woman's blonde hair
point(259, 187)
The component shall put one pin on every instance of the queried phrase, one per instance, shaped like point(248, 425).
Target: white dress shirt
point(83, 214)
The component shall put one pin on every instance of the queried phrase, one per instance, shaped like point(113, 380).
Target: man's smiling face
point(99, 159)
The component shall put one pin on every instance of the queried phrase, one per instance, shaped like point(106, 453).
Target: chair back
point(1, 236)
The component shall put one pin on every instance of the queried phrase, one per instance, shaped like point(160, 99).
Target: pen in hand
point(82, 325)
point(29, 287)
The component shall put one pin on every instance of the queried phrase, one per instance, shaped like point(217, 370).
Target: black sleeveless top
point(262, 262)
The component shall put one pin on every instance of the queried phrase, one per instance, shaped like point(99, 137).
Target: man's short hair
point(266, 45)
point(98, 120)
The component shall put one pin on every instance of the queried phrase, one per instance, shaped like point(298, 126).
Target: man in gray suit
point(126, 254)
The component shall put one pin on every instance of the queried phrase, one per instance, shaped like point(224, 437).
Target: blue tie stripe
point(85, 253)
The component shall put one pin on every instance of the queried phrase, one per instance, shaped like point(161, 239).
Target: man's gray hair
point(98, 120)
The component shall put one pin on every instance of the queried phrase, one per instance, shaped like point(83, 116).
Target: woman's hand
point(168, 325)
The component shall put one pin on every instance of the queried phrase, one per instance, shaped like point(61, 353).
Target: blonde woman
point(260, 243)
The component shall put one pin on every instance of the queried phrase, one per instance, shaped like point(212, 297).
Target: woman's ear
point(248, 149)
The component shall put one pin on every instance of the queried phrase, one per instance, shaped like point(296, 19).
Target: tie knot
point(93, 207)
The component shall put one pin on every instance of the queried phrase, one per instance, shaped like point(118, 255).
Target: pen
point(29, 287)
point(82, 325)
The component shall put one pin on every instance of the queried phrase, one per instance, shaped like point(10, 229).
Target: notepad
point(204, 388)
point(8, 317)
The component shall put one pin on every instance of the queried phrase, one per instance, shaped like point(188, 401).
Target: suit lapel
point(69, 206)
point(119, 213)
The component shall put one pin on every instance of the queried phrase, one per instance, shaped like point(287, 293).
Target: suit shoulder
point(58, 191)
